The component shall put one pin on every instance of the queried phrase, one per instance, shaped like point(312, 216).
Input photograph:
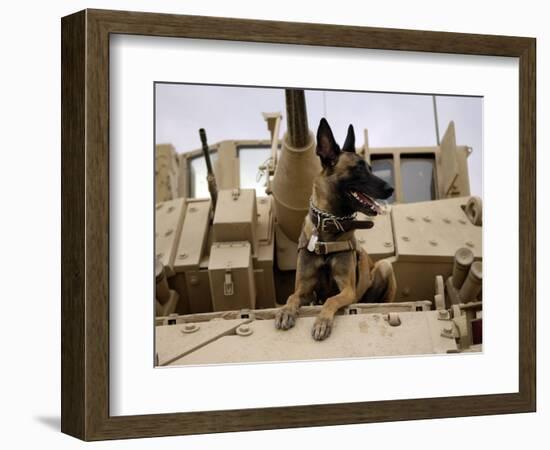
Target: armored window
point(382, 167)
point(250, 160)
point(198, 186)
point(418, 178)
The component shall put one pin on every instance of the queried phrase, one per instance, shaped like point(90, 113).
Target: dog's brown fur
point(341, 278)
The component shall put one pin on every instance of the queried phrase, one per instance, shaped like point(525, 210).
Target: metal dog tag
point(312, 241)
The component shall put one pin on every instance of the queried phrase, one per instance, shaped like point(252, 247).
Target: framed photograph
point(271, 224)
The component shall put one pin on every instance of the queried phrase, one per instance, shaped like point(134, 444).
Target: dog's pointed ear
point(349, 145)
point(327, 148)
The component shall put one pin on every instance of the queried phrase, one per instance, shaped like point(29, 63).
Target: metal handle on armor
point(228, 286)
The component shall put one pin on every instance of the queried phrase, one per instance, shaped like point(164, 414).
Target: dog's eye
point(361, 165)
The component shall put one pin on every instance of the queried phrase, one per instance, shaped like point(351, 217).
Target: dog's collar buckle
point(325, 248)
point(325, 222)
point(320, 248)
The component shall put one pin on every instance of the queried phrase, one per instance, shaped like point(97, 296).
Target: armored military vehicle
point(226, 256)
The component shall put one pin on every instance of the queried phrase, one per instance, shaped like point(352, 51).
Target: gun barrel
point(205, 151)
point(296, 168)
point(210, 177)
point(296, 118)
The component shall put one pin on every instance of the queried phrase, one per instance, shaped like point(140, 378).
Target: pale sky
point(392, 120)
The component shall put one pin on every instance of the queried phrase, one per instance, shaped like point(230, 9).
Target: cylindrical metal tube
point(210, 177)
point(296, 117)
point(162, 291)
point(462, 262)
point(296, 168)
point(292, 185)
point(472, 285)
point(205, 150)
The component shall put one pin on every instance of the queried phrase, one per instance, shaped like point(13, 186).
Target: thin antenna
point(436, 121)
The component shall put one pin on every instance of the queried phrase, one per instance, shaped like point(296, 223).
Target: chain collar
point(324, 218)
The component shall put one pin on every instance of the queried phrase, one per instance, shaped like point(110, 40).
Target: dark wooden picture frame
point(85, 224)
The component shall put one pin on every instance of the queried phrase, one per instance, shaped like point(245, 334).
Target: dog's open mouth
point(366, 203)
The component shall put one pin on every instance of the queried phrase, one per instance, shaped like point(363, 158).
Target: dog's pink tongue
point(371, 202)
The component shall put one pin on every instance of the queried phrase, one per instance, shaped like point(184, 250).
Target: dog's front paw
point(285, 318)
point(321, 329)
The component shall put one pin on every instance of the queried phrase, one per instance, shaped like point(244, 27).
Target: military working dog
point(332, 269)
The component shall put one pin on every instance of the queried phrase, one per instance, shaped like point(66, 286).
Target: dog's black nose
point(388, 191)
